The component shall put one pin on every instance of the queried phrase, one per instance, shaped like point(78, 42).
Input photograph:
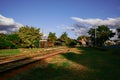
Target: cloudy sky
point(73, 16)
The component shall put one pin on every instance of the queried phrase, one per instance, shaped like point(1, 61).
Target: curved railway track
point(11, 63)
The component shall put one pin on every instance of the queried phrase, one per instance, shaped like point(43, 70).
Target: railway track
point(5, 58)
point(20, 61)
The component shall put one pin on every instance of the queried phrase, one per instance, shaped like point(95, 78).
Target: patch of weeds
point(65, 64)
point(62, 57)
point(8, 52)
point(53, 65)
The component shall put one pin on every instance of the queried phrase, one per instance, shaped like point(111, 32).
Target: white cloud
point(8, 25)
point(80, 31)
point(6, 21)
point(77, 29)
point(65, 27)
point(111, 22)
point(82, 26)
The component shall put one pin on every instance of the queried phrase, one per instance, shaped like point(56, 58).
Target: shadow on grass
point(88, 57)
point(92, 57)
point(101, 62)
point(102, 67)
point(53, 72)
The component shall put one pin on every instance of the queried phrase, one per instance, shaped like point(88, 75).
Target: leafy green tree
point(52, 38)
point(5, 42)
point(29, 36)
point(3, 36)
point(64, 39)
point(58, 42)
point(14, 38)
point(103, 33)
point(72, 43)
point(118, 32)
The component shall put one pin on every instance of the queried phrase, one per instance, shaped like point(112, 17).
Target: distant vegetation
point(25, 37)
point(101, 34)
point(29, 37)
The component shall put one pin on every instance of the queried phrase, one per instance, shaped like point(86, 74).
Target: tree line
point(25, 37)
point(29, 37)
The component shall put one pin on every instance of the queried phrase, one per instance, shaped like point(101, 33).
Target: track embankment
point(19, 61)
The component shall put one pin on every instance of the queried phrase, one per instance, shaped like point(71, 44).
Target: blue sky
point(54, 15)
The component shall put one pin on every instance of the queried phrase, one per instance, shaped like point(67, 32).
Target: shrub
point(72, 43)
point(5, 44)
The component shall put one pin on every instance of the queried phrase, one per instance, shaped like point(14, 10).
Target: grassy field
point(10, 52)
point(79, 64)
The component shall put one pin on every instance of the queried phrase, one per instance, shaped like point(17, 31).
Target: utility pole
point(95, 37)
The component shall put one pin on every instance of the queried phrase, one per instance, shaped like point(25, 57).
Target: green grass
point(8, 52)
point(30, 50)
point(89, 64)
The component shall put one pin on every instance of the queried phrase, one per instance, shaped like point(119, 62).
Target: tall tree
point(29, 36)
point(52, 37)
point(8, 41)
point(64, 38)
point(100, 35)
point(118, 32)
point(14, 38)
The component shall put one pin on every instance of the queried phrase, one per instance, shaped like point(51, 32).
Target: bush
point(72, 43)
point(36, 43)
point(5, 44)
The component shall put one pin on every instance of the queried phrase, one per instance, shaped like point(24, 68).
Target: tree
point(83, 40)
point(3, 36)
point(64, 39)
point(14, 38)
point(118, 32)
point(103, 33)
point(72, 43)
point(29, 36)
point(6, 42)
point(52, 38)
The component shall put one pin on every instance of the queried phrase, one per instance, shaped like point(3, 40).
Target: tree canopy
point(64, 38)
point(102, 33)
point(118, 32)
point(52, 37)
point(8, 41)
point(29, 36)
point(82, 37)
